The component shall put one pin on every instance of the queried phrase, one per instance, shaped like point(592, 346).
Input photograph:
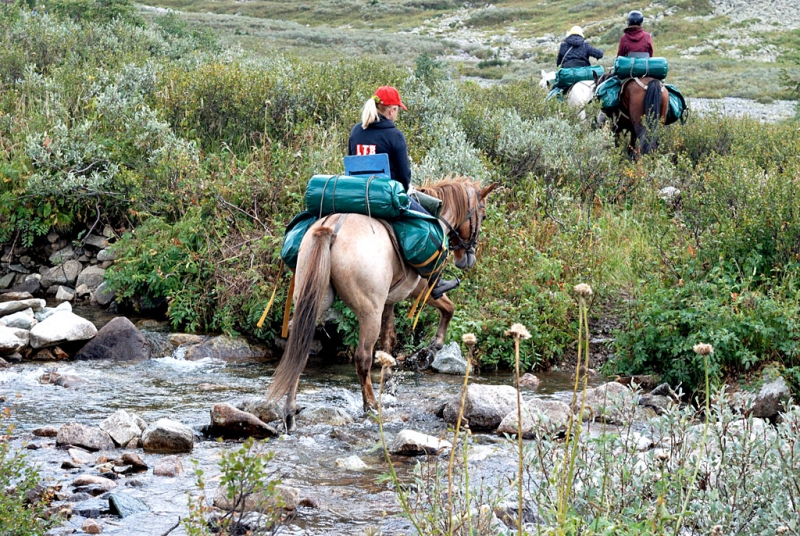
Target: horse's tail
point(306, 312)
point(652, 113)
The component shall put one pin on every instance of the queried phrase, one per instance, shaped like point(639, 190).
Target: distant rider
point(575, 51)
point(635, 41)
point(377, 134)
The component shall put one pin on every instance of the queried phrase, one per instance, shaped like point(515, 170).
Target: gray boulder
point(485, 406)
point(61, 327)
point(124, 505)
point(121, 427)
point(224, 347)
point(96, 241)
point(106, 255)
point(771, 399)
point(539, 417)
point(10, 307)
point(104, 294)
point(612, 403)
point(413, 443)
point(12, 340)
point(92, 277)
point(232, 423)
point(449, 360)
point(21, 319)
point(7, 279)
point(80, 435)
point(267, 411)
point(331, 415)
point(15, 296)
point(50, 311)
point(62, 255)
point(63, 274)
point(260, 501)
point(166, 436)
point(120, 340)
point(65, 293)
point(168, 466)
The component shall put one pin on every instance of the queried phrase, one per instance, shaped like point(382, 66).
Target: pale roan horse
point(578, 95)
point(353, 256)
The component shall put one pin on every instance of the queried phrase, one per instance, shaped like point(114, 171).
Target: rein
point(456, 242)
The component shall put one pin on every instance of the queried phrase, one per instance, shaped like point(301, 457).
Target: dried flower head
point(702, 348)
point(582, 289)
point(519, 331)
point(385, 359)
point(781, 530)
point(469, 339)
point(662, 456)
point(716, 530)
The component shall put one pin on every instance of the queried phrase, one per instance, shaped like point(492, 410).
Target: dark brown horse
point(353, 256)
point(643, 106)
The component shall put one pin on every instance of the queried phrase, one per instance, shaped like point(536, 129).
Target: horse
point(643, 106)
point(356, 257)
point(578, 96)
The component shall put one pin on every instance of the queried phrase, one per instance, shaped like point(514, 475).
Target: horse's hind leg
point(369, 327)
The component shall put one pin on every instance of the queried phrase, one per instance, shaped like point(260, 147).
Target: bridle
point(456, 242)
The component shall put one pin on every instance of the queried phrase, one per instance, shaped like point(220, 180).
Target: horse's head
point(463, 212)
point(546, 77)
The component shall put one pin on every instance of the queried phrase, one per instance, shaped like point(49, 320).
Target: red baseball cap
point(389, 96)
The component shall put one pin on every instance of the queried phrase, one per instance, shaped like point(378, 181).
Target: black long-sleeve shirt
point(383, 137)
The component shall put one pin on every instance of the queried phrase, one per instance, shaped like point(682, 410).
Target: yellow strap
point(430, 259)
point(286, 309)
point(272, 299)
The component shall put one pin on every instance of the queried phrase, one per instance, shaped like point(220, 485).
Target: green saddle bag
point(608, 94)
point(295, 232)
point(375, 196)
point(678, 110)
point(422, 240)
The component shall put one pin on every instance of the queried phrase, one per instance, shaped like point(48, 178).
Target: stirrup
point(443, 286)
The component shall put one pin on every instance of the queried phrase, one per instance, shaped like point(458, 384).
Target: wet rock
point(80, 435)
point(61, 327)
point(124, 505)
point(45, 431)
point(106, 255)
point(104, 294)
point(92, 277)
point(267, 411)
point(81, 457)
point(83, 290)
point(62, 511)
point(539, 417)
point(121, 427)
point(50, 311)
point(167, 437)
point(658, 403)
point(29, 286)
point(449, 360)
point(168, 466)
point(309, 502)
point(10, 307)
point(96, 241)
point(93, 481)
point(351, 463)
point(90, 526)
point(90, 508)
point(119, 339)
point(770, 399)
point(62, 255)
point(58, 353)
point(21, 319)
point(412, 443)
point(69, 464)
point(485, 406)
point(229, 422)
point(63, 274)
point(260, 501)
point(69, 381)
point(135, 462)
point(331, 415)
point(224, 347)
point(529, 380)
point(12, 340)
point(181, 339)
point(45, 354)
point(7, 279)
point(612, 403)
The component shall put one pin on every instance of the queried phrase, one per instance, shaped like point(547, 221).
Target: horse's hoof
point(425, 359)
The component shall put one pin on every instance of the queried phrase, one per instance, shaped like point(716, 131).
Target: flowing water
point(347, 501)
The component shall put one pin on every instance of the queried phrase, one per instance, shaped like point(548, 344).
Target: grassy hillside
point(711, 54)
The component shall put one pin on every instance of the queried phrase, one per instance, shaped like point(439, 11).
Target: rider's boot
point(443, 286)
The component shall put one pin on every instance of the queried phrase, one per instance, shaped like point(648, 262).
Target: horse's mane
point(453, 191)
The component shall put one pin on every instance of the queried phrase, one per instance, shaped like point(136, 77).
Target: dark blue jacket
point(383, 137)
point(575, 52)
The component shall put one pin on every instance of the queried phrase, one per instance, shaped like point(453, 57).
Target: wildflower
point(716, 530)
point(662, 456)
point(781, 530)
point(385, 359)
point(519, 331)
point(469, 339)
point(582, 289)
point(702, 348)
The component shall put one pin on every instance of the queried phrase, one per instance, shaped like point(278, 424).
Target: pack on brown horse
point(353, 256)
point(643, 106)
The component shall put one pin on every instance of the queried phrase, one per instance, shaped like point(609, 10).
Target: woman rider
point(377, 134)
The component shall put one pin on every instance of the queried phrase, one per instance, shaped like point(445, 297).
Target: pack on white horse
point(578, 95)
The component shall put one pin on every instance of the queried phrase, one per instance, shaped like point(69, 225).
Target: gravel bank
point(731, 106)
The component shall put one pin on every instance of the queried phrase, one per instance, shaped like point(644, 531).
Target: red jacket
point(635, 40)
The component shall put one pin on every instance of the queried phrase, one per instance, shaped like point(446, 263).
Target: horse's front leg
point(424, 357)
point(388, 337)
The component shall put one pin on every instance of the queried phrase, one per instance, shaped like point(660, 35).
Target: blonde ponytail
point(369, 114)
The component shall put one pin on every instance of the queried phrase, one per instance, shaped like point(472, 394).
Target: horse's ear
point(544, 74)
point(487, 190)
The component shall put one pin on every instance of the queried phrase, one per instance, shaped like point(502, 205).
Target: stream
point(343, 501)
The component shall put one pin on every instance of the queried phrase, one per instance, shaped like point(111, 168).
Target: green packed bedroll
point(374, 196)
point(568, 76)
point(625, 67)
point(422, 241)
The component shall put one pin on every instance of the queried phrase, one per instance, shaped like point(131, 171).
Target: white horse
point(578, 95)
